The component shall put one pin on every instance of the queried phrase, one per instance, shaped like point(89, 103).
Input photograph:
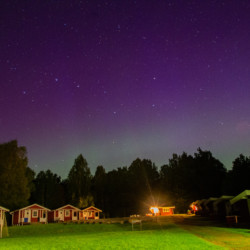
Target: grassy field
point(165, 234)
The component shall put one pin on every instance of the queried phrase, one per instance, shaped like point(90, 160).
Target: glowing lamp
point(154, 210)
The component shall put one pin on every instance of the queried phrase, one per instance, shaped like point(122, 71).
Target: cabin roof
point(167, 207)
point(4, 209)
point(223, 198)
point(244, 195)
point(92, 208)
point(68, 205)
point(35, 204)
point(211, 199)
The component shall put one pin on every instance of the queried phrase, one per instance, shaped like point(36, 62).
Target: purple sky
point(117, 80)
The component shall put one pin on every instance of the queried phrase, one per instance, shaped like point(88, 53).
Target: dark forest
point(122, 191)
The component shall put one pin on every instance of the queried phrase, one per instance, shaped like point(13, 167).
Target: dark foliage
point(79, 183)
point(48, 190)
point(238, 179)
point(14, 183)
point(122, 191)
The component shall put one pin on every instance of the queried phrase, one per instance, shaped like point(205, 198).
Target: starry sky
point(116, 80)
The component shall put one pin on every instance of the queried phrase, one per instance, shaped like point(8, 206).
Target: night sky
point(117, 80)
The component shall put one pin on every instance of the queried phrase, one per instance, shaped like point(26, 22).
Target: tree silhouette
point(238, 178)
point(99, 183)
point(48, 190)
point(14, 184)
point(79, 182)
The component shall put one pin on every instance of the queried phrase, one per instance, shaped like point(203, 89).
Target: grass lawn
point(163, 235)
point(230, 238)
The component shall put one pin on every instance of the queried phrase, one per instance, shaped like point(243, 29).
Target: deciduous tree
point(14, 184)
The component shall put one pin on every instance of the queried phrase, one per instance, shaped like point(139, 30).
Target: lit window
point(67, 213)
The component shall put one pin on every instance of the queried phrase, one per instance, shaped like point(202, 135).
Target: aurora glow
point(117, 80)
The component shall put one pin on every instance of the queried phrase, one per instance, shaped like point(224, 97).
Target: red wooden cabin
point(162, 211)
point(90, 213)
point(65, 213)
point(166, 210)
point(31, 214)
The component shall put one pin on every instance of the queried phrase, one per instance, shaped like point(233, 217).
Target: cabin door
point(74, 215)
point(61, 215)
point(96, 215)
point(26, 218)
point(43, 217)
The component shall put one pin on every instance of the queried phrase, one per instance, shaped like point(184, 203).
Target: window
point(75, 214)
point(44, 214)
point(34, 213)
point(67, 213)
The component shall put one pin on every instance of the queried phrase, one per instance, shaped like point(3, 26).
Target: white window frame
point(33, 213)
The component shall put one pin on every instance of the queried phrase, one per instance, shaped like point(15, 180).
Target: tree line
point(122, 191)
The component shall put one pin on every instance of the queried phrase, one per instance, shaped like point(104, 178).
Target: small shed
point(65, 213)
point(91, 212)
point(162, 211)
point(241, 204)
point(34, 213)
point(3, 223)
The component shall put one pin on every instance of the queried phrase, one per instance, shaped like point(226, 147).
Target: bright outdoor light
point(154, 210)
